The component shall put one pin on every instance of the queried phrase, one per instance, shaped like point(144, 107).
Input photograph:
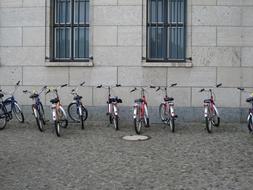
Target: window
point(166, 30)
point(70, 31)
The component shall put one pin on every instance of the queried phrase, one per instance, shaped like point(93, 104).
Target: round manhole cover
point(136, 137)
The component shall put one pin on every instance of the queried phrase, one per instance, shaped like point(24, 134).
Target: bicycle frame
point(210, 105)
point(141, 108)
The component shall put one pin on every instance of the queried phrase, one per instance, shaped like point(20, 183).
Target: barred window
point(166, 20)
point(70, 31)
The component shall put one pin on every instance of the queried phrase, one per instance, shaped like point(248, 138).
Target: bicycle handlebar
point(241, 89)
point(101, 86)
point(218, 85)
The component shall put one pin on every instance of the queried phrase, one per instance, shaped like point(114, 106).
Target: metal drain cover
point(136, 137)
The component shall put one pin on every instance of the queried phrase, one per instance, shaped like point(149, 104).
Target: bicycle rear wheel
point(18, 113)
point(138, 123)
point(209, 125)
point(172, 124)
point(250, 124)
point(3, 120)
point(38, 120)
point(215, 119)
point(73, 112)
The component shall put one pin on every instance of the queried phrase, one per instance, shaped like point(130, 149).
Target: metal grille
point(71, 30)
point(166, 21)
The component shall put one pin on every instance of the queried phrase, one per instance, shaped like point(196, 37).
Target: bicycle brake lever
point(174, 84)
point(64, 85)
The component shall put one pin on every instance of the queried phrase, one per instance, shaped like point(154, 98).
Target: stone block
point(129, 35)
point(105, 36)
point(203, 2)
point(203, 36)
point(229, 77)
point(247, 77)
point(10, 36)
point(229, 36)
point(11, 3)
point(247, 56)
point(10, 75)
point(34, 36)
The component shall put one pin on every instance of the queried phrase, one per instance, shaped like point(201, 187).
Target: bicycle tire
point(82, 122)
point(42, 113)
point(3, 120)
point(73, 112)
point(57, 128)
point(208, 125)
point(216, 119)
point(17, 110)
point(162, 112)
point(250, 124)
point(62, 118)
point(85, 113)
point(172, 124)
point(116, 122)
point(38, 121)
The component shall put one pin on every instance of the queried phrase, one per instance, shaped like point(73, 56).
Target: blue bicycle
point(37, 107)
point(8, 107)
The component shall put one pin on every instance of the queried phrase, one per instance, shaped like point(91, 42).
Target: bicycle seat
point(55, 100)
point(115, 99)
point(207, 100)
point(249, 99)
point(168, 99)
point(139, 100)
point(34, 96)
point(77, 97)
point(1, 95)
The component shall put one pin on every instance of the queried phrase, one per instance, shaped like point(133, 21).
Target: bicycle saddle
point(207, 100)
point(1, 95)
point(249, 99)
point(115, 99)
point(139, 100)
point(55, 100)
point(168, 99)
point(77, 97)
point(34, 96)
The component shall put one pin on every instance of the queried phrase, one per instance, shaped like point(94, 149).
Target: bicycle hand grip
point(25, 91)
point(64, 85)
point(82, 83)
point(152, 86)
point(218, 85)
point(158, 88)
point(239, 88)
point(118, 85)
point(99, 86)
point(44, 87)
point(133, 90)
point(48, 91)
point(18, 83)
point(174, 84)
point(202, 90)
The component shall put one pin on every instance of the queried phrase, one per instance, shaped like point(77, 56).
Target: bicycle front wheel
point(63, 121)
point(172, 124)
point(208, 125)
point(73, 112)
point(162, 112)
point(57, 128)
point(38, 120)
point(215, 119)
point(18, 113)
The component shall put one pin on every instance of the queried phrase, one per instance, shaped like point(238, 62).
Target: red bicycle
point(140, 115)
point(211, 113)
point(166, 108)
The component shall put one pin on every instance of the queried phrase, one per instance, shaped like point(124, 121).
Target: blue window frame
point(166, 31)
point(70, 31)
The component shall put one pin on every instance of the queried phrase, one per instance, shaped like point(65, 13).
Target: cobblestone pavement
point(97, 158)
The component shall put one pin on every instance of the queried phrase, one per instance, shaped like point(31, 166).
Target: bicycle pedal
point(107, 113)
point(176, 116)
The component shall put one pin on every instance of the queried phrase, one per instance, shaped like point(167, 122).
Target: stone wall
point(219, 40)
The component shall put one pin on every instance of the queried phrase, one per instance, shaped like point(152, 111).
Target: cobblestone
point(97, 158)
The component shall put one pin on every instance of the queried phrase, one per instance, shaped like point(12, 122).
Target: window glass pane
point(82, 11)
point(156, 42)
point(153, 11)
point(81, 42)
point(160, 11)
point(176, 43)
point(181, 45)
point(62, 42)
point(62, 11)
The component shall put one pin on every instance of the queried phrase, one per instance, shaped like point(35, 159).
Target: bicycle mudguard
point(115, 110)
point(172, 111)
point(206, 110)
point(250, 118)
point(146, 110)
point(135, 112)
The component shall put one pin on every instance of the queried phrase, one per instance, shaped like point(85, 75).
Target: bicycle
point(12, 105)
point(5, 115)
point(250, 114)
point(77, 112)
point(140, 114)
point(58, 113)
point(112, 103)
point(37, 107)
point(212, 117)
point(166, 108)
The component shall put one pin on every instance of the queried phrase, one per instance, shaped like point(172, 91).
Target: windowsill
point(69, 64)
point(167, 64)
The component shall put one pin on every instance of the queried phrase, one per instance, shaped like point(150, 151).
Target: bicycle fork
point(112, 108)
point(212, 108)
point(143, 111)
